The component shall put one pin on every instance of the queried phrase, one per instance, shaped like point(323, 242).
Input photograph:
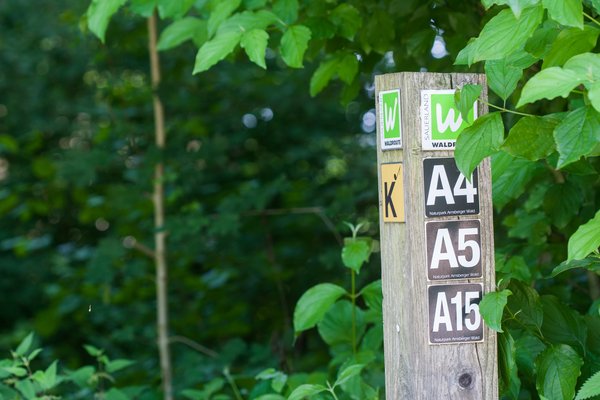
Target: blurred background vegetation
point(259, 178)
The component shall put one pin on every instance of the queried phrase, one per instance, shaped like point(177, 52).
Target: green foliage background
point(268, 152)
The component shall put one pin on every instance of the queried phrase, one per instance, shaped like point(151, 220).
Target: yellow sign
point(392, 192)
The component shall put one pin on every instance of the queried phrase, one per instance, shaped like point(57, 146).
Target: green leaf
point(118, 364)
point(313, 305)
point(246, 21)
point(373, 296)
point(507, 365)
point(347, 20)
point(347, 373)
point(587, 65)
point(16, 371)
point(585, 240)
point(562, 324)
point(99, 14)
point(528, 347)
point(254, 42)
point(590, 388)
point(294, 43)
point(286, 10)
point(93, 351)
point(542, 40)
point(82, 376)
point(577, 135)
point(336, 326)
point(222, 10)
point(504, 74)
point(355, 253)
point(116, 394)
point(50, 375)
point(478, 141)
point(27, 389)
point(216, 50)
point(465, 99)
point(515, 5)
point(347, 68)
point(562, 202)
point(531, 138)
point(589, 263)
point(306, 390)
point(569, 43)
point(502, 77)
point(504, 34)
point(548, 84)
point(174, 8)
point(270, 396)
point(143, 8)
point(566, 12)
point(467, 55)
point(525, 306)
point(25, 345)
point(492, 306)
point(510, 176)
point(181, 30)
point(322, 75)
point(594, 96)
point(557, 370)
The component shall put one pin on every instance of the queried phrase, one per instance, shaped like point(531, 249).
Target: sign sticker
point(454, 313)
point(447, 192)
point(453, 249)
point(392, 192)
point(390, 119)
point(441, 121)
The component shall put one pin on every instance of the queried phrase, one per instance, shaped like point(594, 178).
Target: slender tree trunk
point(160, 251)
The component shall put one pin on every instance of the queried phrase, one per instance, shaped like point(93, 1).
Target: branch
point(194, 345)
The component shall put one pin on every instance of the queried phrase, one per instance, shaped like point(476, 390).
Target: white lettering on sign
point(438, 177)
point(454, 313)
point(469, 316)
point(447, 191)
point(443, 249)
point(453, 249)
point(449, 122)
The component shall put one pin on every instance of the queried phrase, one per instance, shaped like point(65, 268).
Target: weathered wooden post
point(437, 247)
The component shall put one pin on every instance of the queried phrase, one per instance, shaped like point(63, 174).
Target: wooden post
point(437, 248)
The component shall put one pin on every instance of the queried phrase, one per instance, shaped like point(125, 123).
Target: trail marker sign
point(447, 192)
point(453, 249)
point(390, 119)
point(392, 186)
point(454, 313)
point(441, 121)
point(436, 241)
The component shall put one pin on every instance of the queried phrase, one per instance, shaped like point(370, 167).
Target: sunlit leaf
point(586, 239)
point(294, 43)
point(313, 305)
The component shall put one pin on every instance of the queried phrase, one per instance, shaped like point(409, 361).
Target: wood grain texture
point(414, 368)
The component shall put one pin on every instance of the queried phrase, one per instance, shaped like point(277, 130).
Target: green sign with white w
point(446, 120)
point(390, 119)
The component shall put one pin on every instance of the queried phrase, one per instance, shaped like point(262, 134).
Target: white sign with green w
point(390, 119)
point(441, 121)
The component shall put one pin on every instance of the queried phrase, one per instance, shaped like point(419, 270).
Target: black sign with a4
point(447, 192)
point(454, 313)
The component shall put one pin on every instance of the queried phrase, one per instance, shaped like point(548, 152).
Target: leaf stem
point(353, 274)
point(591, 18)
point(330, 390)
point(232, 383)
point(505, 109)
